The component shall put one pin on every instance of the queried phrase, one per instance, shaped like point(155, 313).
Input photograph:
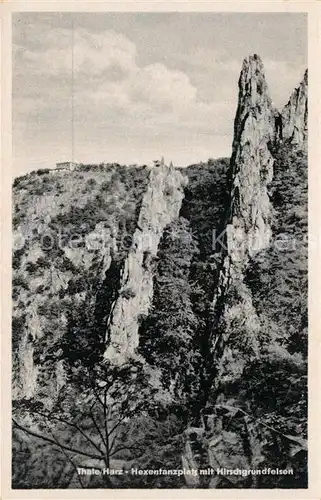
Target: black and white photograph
point(159, 250)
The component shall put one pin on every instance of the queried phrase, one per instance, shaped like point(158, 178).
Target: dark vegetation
point(205, 200)
point(278, 279)
point(184, 281)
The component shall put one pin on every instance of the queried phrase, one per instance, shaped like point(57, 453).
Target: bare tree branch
point(113, 442)
point(48, 440)
point(125, 447)
point(121, 419)
point(68, 458)
point(97, 395)
point(96, 425)
point(75, 426)
point(106, 428)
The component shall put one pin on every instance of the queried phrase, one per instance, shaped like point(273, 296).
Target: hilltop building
point(66, 165)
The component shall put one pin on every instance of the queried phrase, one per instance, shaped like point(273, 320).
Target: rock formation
point(251, 165)
point(237, 325)
point(295, 115)
point(247, 232)
point(160, 206)
point(248, 221)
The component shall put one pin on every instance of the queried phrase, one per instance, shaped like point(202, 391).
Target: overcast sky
point(145, 85)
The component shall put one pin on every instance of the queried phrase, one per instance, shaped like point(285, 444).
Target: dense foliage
point(272, 386)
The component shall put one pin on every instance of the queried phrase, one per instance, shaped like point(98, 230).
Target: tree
point(168, 333)
point(90, 418)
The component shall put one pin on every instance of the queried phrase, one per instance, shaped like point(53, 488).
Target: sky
point(145, 85)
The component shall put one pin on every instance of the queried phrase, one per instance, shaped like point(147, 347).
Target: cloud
point(217, 66)
point(108, 80)
point(282, 78)
point(141, 89)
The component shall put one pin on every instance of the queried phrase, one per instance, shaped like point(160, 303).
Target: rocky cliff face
point(230, 435)
point(160, 206)
point(251, 166)
point(85, 262)
point(248, 231)
point(295, 115)
point(248, 227)
point(250, 211)
point(64, 239)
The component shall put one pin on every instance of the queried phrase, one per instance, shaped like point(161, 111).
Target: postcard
point(160, 248)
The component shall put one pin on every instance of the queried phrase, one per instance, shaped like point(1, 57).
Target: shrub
point(43, 171)
point(128, 293)
point(31, 267)
point(43, 263)
point(20, 282)
point(16, 259)
point(91, 183)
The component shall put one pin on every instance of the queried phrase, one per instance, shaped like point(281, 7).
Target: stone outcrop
point(247, 232)
point(295, 115)
point(236, 329)
point(248, 222)
point(26, 381)
point(251, 168)
point(161, 205)
point(39, 312)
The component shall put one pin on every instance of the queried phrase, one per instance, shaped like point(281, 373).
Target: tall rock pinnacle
point(248, 228)
point(248, 225)
point(295, 115)
point(251, 164)
point(160, 206)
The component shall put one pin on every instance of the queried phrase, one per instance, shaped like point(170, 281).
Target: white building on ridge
point(66, 165)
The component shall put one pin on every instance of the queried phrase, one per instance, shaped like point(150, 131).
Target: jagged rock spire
point(253, 99)
point(248, 227)
point(251, 164)
point(158, 209)
point(295, 115)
